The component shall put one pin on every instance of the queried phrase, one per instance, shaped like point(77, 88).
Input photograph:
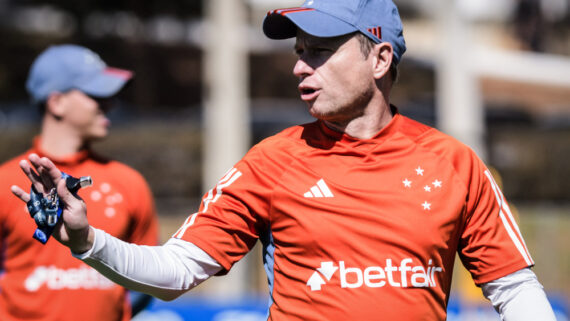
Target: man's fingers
point(35, 161)
point(20, 193)
point(44, 175)
point(64, 194)
point(47, 175)
point(50, 169)
point(32, 176)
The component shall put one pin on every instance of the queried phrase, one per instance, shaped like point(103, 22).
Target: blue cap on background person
point(62, 68)
point(379, 20)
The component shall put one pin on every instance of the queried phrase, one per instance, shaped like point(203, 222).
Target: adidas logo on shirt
point(319, 190)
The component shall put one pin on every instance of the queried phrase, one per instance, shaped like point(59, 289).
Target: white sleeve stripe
point(511, 218)
point(513, 234)
point(187, 223)
point(227, 180)
point(220, 186)
point(514, 223)
point(509, 223)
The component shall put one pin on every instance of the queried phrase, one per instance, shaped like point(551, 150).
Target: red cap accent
point(120, 73)
point(288, 10)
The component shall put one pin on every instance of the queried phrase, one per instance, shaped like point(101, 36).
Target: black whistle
point(75, 184)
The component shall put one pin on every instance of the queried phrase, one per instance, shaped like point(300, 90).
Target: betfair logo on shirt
point(402, 275)
point(54, 278)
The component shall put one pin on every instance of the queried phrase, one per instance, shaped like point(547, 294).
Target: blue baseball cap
point(379, 20)
point(62, 68)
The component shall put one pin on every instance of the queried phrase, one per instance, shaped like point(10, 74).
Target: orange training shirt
point(360, 229)
point(44, 282)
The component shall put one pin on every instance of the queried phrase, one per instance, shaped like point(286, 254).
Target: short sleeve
point(234, 213)
point(491, 244)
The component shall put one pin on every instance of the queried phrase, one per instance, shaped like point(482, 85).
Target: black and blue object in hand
point(46, 209)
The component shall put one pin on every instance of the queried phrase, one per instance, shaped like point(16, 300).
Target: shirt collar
point(383, 133)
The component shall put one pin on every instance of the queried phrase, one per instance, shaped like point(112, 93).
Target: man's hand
point(74, 230)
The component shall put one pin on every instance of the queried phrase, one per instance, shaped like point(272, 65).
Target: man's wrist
point(88, 237)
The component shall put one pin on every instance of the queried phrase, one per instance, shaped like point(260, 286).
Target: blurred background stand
point(226, 135)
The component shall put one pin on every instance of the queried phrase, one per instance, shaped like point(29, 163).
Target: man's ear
point(383, 54)
point(55, 105)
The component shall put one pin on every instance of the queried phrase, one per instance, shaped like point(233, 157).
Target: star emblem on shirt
point(436, 183)
point(420, 171)
point(425, 185)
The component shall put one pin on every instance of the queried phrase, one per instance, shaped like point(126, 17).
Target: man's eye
point(322, 51)
point(313, 51)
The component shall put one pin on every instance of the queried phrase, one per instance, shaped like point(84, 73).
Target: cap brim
point(283, 24)
point(107, 83)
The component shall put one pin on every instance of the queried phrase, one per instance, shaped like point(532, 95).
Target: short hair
point(42, 107)
point(366, 45)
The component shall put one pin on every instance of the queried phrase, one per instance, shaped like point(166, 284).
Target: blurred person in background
point(73, 88)
point(529, 25)
point(360, 213)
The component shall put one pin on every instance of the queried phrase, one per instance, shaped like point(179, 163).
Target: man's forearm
point(519, 296)
point(165, 271)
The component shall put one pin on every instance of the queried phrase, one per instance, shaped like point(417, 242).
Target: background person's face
point(86, 115)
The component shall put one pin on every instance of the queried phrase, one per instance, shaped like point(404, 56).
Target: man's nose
point(302, 68)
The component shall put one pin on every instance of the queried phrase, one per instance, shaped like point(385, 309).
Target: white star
point(407, 183)
point(437, 183)
point(426, 206)
point(420, 171)
point(427, 188)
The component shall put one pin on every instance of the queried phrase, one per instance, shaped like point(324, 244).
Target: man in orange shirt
point(360, 213)
point(73, 88)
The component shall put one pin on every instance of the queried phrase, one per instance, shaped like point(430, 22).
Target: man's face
point(85, 114)
point(335, 78)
